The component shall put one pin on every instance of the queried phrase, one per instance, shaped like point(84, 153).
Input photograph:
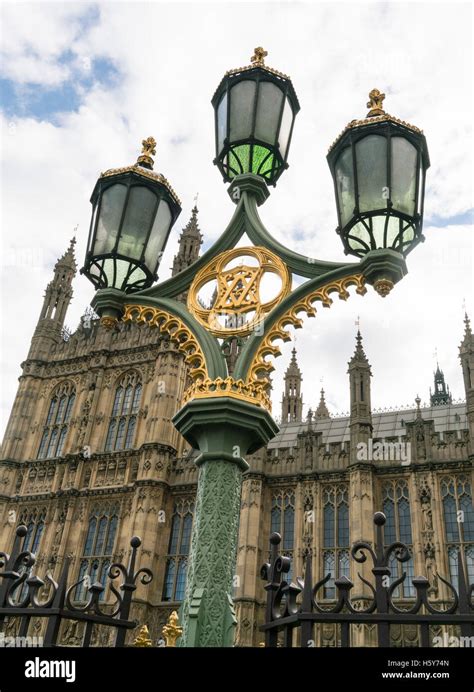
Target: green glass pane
point(264, 161)
point(111, 209)
point(137, 222)
point(239, 158)
point(268, 112)
point(158, 235)
point(371, 158)
point(221, 123)
point(260, 162)
point(403, 172)
point(242, 97)
point(285, 127)
point(345, 185)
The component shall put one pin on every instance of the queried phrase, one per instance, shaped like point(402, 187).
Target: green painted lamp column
point(224, 429)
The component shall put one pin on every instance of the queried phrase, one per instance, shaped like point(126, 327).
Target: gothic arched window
point(396, 507)
point(123, 420)
point(283, 522)
point(34, 520)
point(57, 422)
point(458, 511)
point(178, 550)
point(98, 549)
point(335, 536)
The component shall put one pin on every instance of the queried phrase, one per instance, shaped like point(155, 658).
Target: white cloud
point(171, 56)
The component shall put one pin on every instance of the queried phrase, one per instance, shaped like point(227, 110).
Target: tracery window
point(178, 550)
point(396, 507)
point(98, 548)
point(34, 520)
point(57, 422)
point(335, 536)
point(123, 420)
point(458, 513)
point(283, 522)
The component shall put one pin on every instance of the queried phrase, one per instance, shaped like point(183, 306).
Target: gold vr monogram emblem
point(236, 307)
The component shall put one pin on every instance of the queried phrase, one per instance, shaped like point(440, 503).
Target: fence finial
point(143, 637)
point(172, 631)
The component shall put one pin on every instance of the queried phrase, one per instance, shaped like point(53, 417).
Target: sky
point(83, 83)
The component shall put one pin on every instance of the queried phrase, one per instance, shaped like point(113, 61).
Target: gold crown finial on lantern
point(375, 104)
point(258, 58)
point(148, 150)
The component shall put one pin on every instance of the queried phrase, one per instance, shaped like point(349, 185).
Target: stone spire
point(467, 326)
point(57, 298)
point(360, 412)
point(466, 354)
point(322, 410)
point(190, 242)
point(441, 394)
point(292, 402)
point(359, 353)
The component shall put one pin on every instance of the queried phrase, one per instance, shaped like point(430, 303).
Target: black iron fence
point(25, 596)
point(297, 606)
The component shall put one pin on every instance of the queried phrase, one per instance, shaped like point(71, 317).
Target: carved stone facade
point(138, 472)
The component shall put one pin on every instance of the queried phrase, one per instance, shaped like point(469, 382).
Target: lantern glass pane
point(136, 275)
point(285, 128)
point(221, 123)
point(345, 185)
point(371, 158)
point(109, 271)
point(378, 228)
point(392, 231)
point(92, 227)
point(408, 237)
point(356, 245)
point(403, 174)
point(359, 231)
point(420, 189)
point(242, 97)
point(111, 208)
point(268, 112)
point(137, 222)
point(158, 235)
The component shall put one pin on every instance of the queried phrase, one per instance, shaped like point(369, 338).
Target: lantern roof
point(144, 168)
point(376, 114)
point(257, 63)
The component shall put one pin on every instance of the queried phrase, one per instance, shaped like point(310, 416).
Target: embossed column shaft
point(224, 429)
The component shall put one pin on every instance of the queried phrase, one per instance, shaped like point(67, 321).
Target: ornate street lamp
point(255, 108)
point(134, 209)
point(379, 165)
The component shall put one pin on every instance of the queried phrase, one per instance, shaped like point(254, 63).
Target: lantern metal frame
point(131, 177)
point(387, 127)
point(259, 74)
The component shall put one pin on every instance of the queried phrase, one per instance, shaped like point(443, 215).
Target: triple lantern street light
point(378, 165)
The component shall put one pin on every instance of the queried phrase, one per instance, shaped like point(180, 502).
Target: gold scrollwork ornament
point(237, 308)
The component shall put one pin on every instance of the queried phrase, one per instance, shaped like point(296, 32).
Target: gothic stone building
point(91, 458)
